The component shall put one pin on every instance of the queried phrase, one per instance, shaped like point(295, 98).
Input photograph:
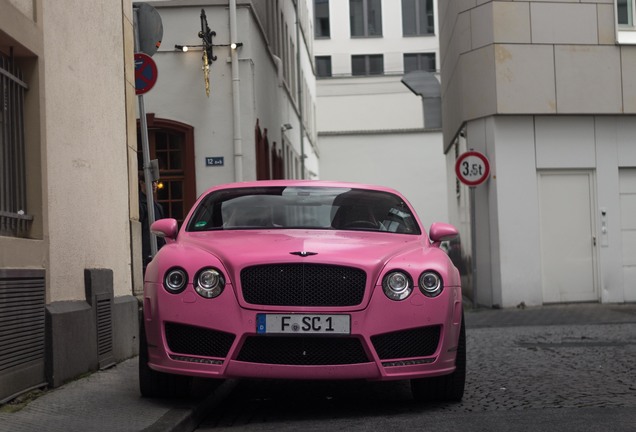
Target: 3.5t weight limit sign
point(472, 168)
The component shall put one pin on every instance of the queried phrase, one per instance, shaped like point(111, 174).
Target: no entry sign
point(472, 168)
point(145, 73)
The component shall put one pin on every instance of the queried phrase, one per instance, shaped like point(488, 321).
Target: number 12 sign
point(472, 168)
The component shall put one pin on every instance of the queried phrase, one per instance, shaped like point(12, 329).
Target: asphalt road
point(529, 378)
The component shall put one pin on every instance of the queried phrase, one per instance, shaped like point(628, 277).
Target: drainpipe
point(300, 94)
point(236, 97)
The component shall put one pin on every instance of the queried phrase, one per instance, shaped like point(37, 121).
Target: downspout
point(300, 94)
point(236, 97)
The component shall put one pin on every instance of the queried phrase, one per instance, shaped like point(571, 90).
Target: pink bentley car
point(303, 280)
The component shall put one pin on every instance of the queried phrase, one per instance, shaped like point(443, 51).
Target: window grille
point(14, 220)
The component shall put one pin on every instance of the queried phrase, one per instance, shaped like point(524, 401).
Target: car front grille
point(190, 340)
point(303, 285)
point(417, 342)
point(302, 351)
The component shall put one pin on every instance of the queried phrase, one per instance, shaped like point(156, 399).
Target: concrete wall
point(508, 228)
point(543, 57)
point(408, 162)
point(374, 103)
point(86, 167)
point(80, 140)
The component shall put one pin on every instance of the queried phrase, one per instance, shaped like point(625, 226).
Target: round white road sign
point(472, 168)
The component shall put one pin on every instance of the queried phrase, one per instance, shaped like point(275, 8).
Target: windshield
point(303, 207)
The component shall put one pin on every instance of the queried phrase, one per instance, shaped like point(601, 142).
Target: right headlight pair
point(398, 285)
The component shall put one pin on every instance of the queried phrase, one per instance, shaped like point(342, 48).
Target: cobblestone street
point(550, 366)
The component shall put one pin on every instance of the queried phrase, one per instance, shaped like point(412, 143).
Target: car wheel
point(158, 384)
point(445, 388)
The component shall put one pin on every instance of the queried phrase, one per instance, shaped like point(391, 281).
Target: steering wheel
point(360, 224)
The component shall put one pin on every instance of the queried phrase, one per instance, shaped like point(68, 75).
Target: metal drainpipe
point(236, 108)
point(300, 94)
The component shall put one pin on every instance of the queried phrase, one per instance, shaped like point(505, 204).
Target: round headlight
point(209, 283)
point(397, 285)
point(175, 280)
point(430, 284)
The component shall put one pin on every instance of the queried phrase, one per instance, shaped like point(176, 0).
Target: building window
point(626, 21)
point(418, 18)
point(323, 66)
point(321, 14)
point(365, 17)
point(363, 65)
point(172, 144)
point(14, 220)
point(419, 61)
point(625, 12)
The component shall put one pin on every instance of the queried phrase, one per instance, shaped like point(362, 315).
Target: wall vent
point(22, 331)
point(99, 294)
point(104, 321)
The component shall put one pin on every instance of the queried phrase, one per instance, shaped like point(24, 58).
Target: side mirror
point(440, 232)
point(167, 228)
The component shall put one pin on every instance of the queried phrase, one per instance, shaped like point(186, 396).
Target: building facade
point(256, 122)
point(67, 195)
point(371, 126)
point(544, 89)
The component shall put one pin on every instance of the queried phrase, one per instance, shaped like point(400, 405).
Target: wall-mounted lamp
point(286, 127)
point(200, 47)
point(186, 48)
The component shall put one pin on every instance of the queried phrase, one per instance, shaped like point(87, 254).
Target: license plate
point(302, 324)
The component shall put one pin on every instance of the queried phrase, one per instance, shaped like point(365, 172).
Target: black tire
point(445, 388)
point(153, 384)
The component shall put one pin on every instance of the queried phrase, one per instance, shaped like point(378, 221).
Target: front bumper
point(217, 338)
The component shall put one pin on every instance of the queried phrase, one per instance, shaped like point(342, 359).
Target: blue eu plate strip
point(260, 323)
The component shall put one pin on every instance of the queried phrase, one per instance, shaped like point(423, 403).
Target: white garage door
point(628, 230)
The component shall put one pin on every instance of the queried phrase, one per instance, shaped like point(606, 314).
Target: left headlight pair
point(398, 285)
point(208, 282)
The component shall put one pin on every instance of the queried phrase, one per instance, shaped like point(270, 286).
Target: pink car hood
point(237, 249)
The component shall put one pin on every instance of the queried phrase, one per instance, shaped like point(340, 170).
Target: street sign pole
point(472, 169)
point(146, 152)
point(473, 243)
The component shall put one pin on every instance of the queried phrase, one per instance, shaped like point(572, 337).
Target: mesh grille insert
point(304, 351)
point(185, 339)
point(303, 285)
point(417, 342)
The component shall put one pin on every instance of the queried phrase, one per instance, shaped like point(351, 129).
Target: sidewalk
point(109, 400)
point(561, 314)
